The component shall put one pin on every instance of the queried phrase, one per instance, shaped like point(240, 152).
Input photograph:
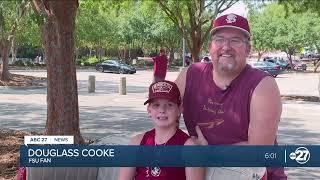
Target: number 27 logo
point(301, 155)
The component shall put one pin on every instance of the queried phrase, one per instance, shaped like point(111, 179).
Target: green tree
point(303, 6)
point(162, 32)
point(193, 18)
point(11, 16)
point(29, 35)
point(95, 25)
point(263, 29)
point(274, 29)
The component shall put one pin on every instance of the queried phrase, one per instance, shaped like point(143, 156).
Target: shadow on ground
point(94, 123)
point(108, 87)
point(292, 132)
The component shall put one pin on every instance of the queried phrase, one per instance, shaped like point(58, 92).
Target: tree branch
point(230, 3)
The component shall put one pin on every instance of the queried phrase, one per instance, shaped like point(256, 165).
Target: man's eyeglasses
point(234, 42)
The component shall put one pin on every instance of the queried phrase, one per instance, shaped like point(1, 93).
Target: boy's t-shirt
point(162, 173)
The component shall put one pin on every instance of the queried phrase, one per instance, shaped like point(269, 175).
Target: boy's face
point(163, 112)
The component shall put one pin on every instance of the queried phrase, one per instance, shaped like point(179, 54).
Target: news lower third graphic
point(59, 151)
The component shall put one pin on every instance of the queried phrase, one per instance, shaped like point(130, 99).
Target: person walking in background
point(160, 65)
point(164, 109)
point(227, 101)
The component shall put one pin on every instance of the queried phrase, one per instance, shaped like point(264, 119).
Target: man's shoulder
point(198, 67)
point(253, 76)
point(255, 71)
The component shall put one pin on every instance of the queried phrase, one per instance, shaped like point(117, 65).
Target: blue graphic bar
point(168, 156)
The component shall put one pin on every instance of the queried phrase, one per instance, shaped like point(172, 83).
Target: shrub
point(88, 61)
point(29, 63)
point(19, 63)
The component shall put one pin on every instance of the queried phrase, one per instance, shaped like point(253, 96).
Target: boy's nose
point(163, 108)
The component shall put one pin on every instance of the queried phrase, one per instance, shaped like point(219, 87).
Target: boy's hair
point(164, 89)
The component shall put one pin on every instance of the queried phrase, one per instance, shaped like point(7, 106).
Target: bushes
point(176, 62)
point(19, 63)
point(24, 63)
point(88, 61)
point(29, 64)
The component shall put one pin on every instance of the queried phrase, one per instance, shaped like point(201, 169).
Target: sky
point(239, 8)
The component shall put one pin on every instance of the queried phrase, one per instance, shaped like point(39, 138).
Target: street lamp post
point(183, 52)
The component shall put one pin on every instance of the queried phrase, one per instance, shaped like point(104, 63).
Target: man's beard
point(226, 68)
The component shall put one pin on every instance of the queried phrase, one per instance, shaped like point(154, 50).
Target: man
point(228, 101)
point(160, 65)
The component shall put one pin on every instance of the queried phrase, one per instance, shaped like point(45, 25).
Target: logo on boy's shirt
point(161, 87)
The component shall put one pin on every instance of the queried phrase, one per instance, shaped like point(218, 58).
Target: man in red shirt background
point(160, 65)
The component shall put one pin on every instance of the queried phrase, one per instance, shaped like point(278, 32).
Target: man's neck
point(223, 80)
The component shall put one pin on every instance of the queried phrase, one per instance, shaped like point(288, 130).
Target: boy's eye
point(155, 104)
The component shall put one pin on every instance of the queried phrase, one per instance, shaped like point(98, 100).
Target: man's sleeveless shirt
point(222, 115)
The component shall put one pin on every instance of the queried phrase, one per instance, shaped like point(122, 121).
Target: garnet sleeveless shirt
point(162, 173)
point(222, 115)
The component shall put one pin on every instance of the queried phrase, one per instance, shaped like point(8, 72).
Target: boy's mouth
point(162, 118)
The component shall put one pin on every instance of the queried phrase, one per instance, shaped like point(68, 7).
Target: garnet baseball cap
point(231, 21)
point(164, 89)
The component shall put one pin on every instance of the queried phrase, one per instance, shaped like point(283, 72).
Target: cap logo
point(161, 87)
point(231, 18)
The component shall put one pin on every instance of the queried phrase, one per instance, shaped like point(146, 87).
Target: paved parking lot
point(106, 113)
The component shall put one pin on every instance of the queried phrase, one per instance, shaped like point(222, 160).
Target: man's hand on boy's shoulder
point(200, 140)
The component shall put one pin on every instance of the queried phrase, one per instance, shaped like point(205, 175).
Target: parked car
point(309, 55)
point(282, 63)
point(266, 66)
point(299, 65)
point(115, 66)
point(206, 59)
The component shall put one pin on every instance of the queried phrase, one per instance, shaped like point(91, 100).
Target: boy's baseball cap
point(231, 21)
point(164, 89)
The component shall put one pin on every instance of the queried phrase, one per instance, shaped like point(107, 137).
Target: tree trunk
point(316, 66)
point(319, 87)
point(14, 50)
point(259, 55)
point(5, 50)
point(195, 48)
point(290, 60)
point(62, 94)
point(171, 56)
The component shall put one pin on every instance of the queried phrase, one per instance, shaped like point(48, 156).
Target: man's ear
point(181, 108)
point(209, 45)
point(248, 49)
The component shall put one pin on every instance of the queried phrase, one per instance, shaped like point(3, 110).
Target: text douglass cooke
point(70, 152)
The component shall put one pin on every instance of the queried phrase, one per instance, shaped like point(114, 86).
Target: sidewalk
point(105, 113)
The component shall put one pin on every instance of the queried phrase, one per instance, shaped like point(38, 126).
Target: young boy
point(164, 110)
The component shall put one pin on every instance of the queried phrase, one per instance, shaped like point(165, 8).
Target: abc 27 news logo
point(301, 155)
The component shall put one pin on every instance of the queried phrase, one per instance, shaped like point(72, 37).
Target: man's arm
point(194, 173)
point(181, 82)
point(146, 58)
point(265, 112)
